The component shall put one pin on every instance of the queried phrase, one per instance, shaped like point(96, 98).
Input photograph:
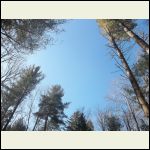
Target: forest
point(26, 108)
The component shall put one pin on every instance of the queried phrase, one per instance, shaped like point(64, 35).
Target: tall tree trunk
point(45, 125)
point(137, 39)
point(137, 90)
point(133, 114)
point(37, 119)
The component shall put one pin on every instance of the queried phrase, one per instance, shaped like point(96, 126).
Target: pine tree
point(51, 108)
point(17, 93)
point(78, 122)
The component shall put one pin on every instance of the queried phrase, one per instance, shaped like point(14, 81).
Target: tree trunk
point(137, 39)
point(35, 123)
point(137, 90)
point(45, 126)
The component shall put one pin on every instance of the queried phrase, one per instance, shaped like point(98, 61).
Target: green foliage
point(78, 122)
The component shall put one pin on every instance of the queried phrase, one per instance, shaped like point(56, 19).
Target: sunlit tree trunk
point(137, 39)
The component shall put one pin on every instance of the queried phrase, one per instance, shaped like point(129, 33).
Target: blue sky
point(80, 63)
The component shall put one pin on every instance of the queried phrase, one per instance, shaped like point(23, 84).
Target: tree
point(51, 108)
point(13, 96)
point(26, 35)
point(78, 122)
point(115, 46)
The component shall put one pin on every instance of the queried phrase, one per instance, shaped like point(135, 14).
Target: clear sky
point(80, 63)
